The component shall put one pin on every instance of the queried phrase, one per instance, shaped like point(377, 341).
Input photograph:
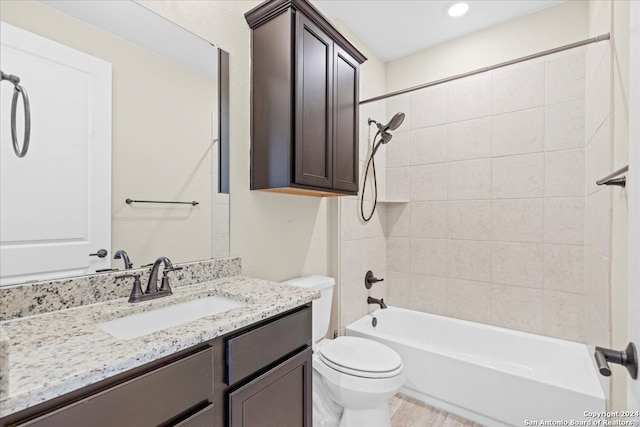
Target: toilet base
point(371, 417)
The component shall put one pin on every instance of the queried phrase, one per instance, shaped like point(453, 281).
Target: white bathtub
point(491, 375)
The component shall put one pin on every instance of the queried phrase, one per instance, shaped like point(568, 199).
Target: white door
point(55, 202)
point(633, 386)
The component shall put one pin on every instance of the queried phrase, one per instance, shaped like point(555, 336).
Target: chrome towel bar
point(612, 180)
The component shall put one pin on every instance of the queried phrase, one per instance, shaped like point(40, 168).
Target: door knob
point(100, 254)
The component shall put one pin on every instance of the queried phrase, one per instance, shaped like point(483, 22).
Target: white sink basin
point(137, 325)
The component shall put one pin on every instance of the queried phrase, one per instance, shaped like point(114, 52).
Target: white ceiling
point(396, 28)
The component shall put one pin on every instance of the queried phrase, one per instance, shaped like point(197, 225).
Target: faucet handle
point(136, 291)
point(164, 284)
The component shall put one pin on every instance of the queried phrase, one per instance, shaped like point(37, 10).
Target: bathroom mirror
point(164, 137)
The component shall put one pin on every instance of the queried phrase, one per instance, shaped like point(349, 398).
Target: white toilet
point(353, 378)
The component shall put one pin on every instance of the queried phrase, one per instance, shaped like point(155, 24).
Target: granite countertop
point(54, 353)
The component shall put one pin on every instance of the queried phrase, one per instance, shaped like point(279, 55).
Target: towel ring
point(17, 92)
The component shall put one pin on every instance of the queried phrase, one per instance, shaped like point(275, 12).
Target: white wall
point(549, 28)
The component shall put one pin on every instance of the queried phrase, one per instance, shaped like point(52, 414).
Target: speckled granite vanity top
point(54, 353)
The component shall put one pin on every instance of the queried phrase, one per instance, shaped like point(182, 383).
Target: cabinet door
point(314, 93)
point(345, 121)
point(279, 398)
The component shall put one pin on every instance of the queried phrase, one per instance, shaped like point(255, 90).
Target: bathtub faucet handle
point(627, 358)
point(370, 279)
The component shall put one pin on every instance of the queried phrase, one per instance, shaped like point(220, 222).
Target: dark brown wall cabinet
point(304, 102)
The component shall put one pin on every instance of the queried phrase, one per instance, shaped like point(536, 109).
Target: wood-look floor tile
point(408, 412)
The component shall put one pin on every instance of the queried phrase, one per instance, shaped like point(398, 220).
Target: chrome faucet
point(377, 301)
point(120, 253)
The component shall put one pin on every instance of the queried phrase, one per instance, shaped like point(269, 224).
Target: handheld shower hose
point(385, 137)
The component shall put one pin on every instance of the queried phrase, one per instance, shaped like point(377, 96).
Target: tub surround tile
point(518, 264)
point(564, 126)
point(428, 219)
point(429, 107)
point(398, 153)
point(469, 140)
point(61, 365)
point(520, 132)
point(427, 145)
point(428, 294)
point(43, 297)
point(526, 80)
point(564, 173)
point(564, 315)
point(565, 77)
point(470, 98)
point(469, 220)
point(564, 268)
point(428, 257)
point(517, 177)
point(517, 308)
point(399, 254)
point(398, 220)
point(427, 182)
point(469, 260)
point(518, 220)
point(397, 185)
point(469, 300)
point(469, 180)
point(564, 220)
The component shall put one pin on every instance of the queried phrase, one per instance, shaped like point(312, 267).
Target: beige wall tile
point(469, 220)
point(398, 220)
point(428, 182)
point(518, 220)
point(564, 126)
point(398, 184)
point(518, 264)
point(564, 268)
point(564, 315)
point(429, 257)
point(525, 80)
point(429, 107)
point(516, 177)
point(428, 145)
point(397, 104)
point(564, 220)
point(469, 300)
point(399, 289)
point(598, 158)
point(398, 254)
point(398, 149)
point(470, 139)
point(520, 132)
point(470, 260)
point(564, 173)
point(517, 308)
point(565, 77)
point(429, 219)
point(353, 297)
point(469, 180)
point(351, 260)
point(470, 98)
point(429, 294)
point(598, 222)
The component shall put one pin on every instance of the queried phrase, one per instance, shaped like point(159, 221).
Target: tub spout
point(377, 301)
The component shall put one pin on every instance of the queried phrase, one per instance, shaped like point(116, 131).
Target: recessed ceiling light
point(458, 9)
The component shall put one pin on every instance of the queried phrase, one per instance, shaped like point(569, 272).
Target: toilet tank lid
point(316, 283)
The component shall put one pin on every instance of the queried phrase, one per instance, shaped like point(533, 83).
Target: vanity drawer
point(260, 347)
point(148, 400)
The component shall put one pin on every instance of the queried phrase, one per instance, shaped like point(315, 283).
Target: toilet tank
point(321, 307)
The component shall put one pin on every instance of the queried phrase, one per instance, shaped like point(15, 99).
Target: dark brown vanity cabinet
point(304, 102)
point(257, 376)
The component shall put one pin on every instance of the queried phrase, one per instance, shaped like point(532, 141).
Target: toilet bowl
point(361, 376)
point(353, 377)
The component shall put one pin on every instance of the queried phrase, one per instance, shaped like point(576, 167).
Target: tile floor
point(408, 412)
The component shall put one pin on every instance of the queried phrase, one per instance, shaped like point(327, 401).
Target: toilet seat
point(360, 357)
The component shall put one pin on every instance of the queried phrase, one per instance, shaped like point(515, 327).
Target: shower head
point(393, 124)
point(383, 130)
